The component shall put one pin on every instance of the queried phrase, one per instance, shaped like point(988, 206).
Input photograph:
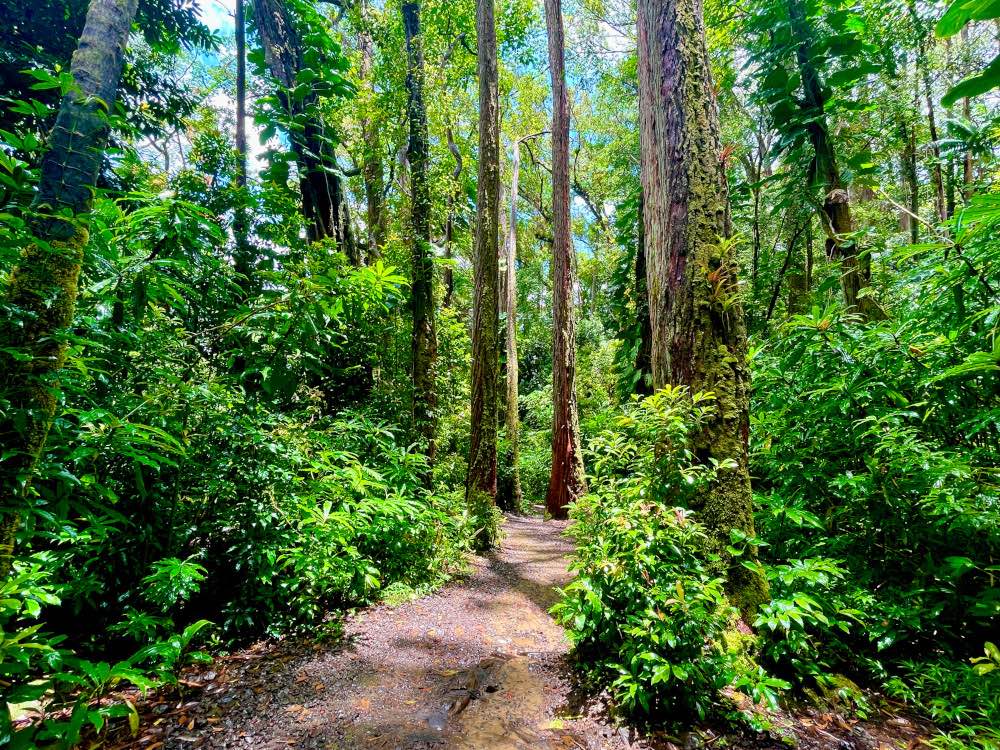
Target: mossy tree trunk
point(699, 335)
point(324, 202)
point(43, 286)
point(566, 481)
point(424, 341)
point(838, 223)
point(481, 483)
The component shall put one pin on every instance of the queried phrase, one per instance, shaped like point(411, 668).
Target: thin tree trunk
point(371, 165)
point(699, 336)
point(45, 282)
point(512, 420)
point(643, 358)
point(567, 481)
point(422, 283)
point(243, 260)
point(923, 71)
point(448, 276)
point(481, 484)
point(910, 179)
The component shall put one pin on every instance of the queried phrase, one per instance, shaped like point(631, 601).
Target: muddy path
point(478, 665)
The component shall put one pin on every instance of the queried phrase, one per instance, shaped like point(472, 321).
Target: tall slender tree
point(372, 173)
point(243, 258)
point(481, 484)
point(44, 285)
point(699, 336)
point(566, 481)
point(512, 419)
point(424, 341)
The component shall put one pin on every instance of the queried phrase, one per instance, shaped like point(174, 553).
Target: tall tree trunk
point(512, 419)
point(699, 337)
point(422, 283)
point(243, 260)
point(371, 164)
point(324, 202)
point(836, 211)
point(910, 181)
point(567, 481)
point(45, 282)
point(448, 276)
point(924, 74)
point(481, 483)
point(643, 357)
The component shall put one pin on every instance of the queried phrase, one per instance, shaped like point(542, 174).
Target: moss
point(486, 520)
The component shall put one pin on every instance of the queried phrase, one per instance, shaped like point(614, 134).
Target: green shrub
point(647, 607)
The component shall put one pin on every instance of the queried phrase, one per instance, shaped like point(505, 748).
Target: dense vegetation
point(263, 275)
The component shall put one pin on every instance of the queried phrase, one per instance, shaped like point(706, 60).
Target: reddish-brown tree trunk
point(699, 336)
point(481, 484)
point(567, 481)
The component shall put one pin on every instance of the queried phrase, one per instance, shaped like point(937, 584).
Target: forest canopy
point(302, 302)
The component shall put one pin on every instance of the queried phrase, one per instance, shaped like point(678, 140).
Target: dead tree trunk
point(45, 282)
point(699, 334)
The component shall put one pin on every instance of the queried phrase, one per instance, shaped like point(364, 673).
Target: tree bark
point(324, 203)
point(448, 276)
point(644, 357)
point(422, 283)
point(481, 483)
point(45, 282)
point(372, 174)
point(699, 334)
point(567, 481)
point(512, 417)
point(243, 259)
point(836, 212)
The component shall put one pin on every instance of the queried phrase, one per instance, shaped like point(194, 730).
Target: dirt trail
point(479, 664)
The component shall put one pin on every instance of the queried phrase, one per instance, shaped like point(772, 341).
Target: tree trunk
point(422, 283)
point(371, 164)
point(481, 484)
point(243, 259)
point(45, 282)
point(910, 180)
point(448, 276)
point(514, 496)
point(924, 74)
point(324, 203)
point(643, 358)
point(836, 212)
point(699, 335)
point(567, 481)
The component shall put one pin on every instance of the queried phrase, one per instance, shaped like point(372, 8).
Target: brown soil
point(479, 665)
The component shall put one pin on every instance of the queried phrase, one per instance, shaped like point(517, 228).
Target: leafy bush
point(647, 606)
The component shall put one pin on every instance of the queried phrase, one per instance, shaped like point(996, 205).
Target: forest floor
point(478, 665)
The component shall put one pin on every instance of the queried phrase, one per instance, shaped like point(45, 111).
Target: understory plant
point(647, 608)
